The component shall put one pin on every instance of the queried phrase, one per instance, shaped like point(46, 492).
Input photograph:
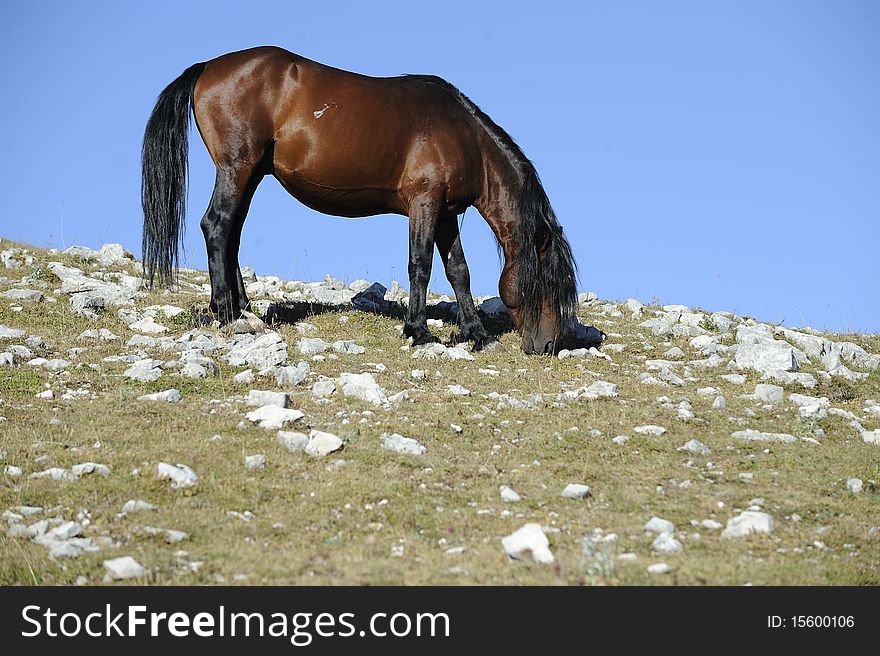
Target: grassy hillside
point(369, 515)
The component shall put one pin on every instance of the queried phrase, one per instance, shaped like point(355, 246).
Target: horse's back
point(342, 142)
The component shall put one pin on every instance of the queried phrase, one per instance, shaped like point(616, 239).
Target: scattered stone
point(768, 393)
point(324, 388)
point(435, 351)
point(666, 544)
point(312, 345)
point(168, 396)
point(144, 371)
point(659, 568)
point(720, 403)
point(25, 295)
point(266, 397)
point(650, 429)
point(458, 390)
point(254, 462)
point(292, 375)
point(263, 352)
point(528, 543)
point(404, 445)
point(746, 523)
point(696, 447)
point(10, 333)
point(362, 386)
point(508, 494)
point(760, 436)
point(321, 444)
point(292, 441)
point(735, 379)
point(575, 491)
point(599, 389)
point(659, 525)
point(620, 439)
point(273, 416)
point(180, 475)
point(124, 567)
point(245, 377)
point(347, 347)
point(86, 468)
point(854, 485)
point(136, 505)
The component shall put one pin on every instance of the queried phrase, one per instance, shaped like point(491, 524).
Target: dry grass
point(318, 521)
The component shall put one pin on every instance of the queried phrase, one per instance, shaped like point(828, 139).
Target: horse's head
point(540, 333)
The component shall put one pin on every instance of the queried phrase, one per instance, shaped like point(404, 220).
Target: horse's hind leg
point(422, 224)
point(221, 226)
point(448, 240)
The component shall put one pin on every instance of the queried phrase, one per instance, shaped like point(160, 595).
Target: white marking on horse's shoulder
point(320, 112)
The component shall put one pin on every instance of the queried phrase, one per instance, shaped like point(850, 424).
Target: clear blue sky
point(717, 154)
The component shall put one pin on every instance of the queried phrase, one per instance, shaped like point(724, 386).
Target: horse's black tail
point(165, 163)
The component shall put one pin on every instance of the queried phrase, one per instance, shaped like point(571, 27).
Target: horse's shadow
point(292, 312)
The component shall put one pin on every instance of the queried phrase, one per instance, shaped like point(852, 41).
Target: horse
point(351, 145)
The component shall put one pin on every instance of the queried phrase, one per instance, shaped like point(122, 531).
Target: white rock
point(293, 441)
point(720, 403)
point(659, 568)
point(168, 396)
point(766, 355)
point(362, 386)
point(458, 390)
point(12, 471)
point(324, 388)
point(528, 543)
point(710, 524)
point(136, 505)
point(620, 439)
point(508, 494)
point(85, 468)
point(264, 352)
point(695, 447)
point(273, 417)
point(575, 491)
point(417, 374)
point(149, 326)
point(124, 567)
point(665, 543)
point(748, 522)
point(144, 371)
point(650, 429)
point(267, 397)
point(659, 525)
point(321, 443)
point(436, 351)
point(256, 461)
point(599, 389)
point(10, 333)
point(312, 345)
point(760, 436)
point(347, 347)
point(400, 444)
point(180, 475)
point(854, 485)
point(194, 370)
point(245, 377)
point(871, 437)
point(292, 375)
point(768, 393)
point(735, 379)
point(46, 394)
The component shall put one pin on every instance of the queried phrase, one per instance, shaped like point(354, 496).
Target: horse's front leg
point(422, 224)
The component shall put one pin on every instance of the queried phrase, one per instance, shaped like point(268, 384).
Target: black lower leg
point(422, 221)
point(459, 276)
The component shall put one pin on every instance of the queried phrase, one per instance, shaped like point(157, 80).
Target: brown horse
point(351, 145)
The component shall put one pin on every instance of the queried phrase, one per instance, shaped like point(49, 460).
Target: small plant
point(839, 389)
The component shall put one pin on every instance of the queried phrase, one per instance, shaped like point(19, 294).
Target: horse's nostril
point(548, 348)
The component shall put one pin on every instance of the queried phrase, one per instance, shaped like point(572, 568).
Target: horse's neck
point(500, 197)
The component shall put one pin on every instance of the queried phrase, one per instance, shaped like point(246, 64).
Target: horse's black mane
point(553, 278)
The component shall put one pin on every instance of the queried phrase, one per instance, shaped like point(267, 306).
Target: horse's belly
point(349, 202)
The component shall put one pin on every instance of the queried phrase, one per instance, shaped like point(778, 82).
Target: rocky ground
point(690, 447)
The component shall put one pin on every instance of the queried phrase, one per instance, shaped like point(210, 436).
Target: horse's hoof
point(486, 344)
point(424, 338)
